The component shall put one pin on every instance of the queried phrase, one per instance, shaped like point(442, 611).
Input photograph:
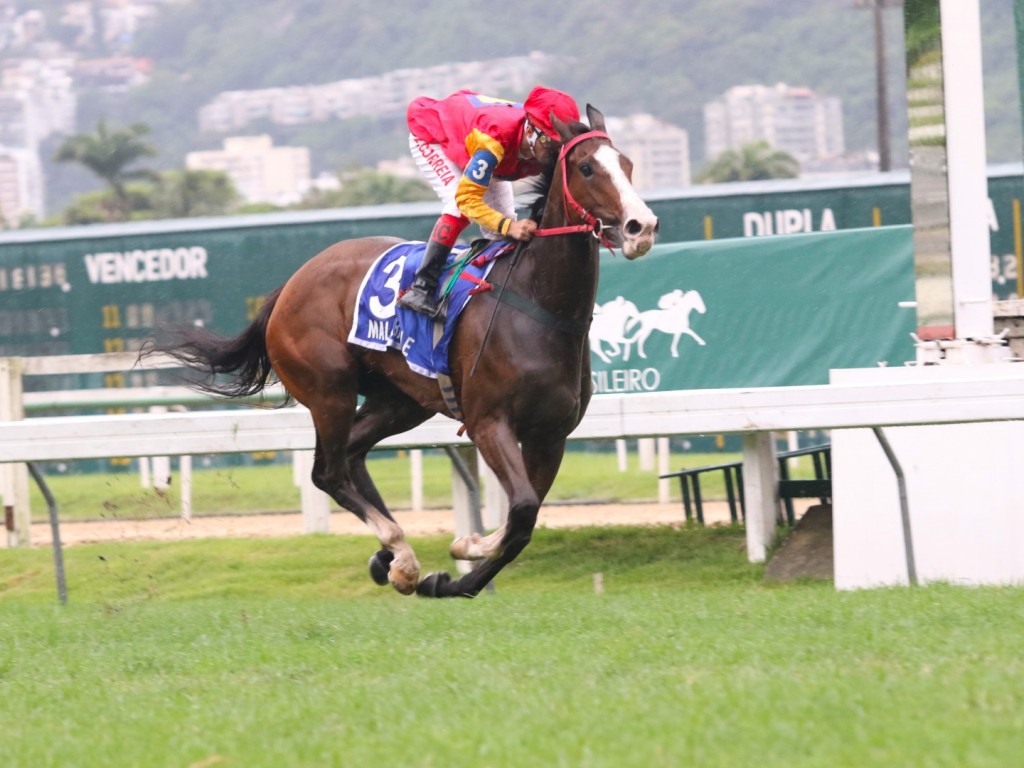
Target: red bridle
point(591, 224)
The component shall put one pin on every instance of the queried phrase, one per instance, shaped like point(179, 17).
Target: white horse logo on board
point(609, 326)
point(620, 324)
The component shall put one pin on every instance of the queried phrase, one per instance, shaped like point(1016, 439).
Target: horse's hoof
point(404, 573)
point(402, 582)
point(380, 563)
point(433, 585)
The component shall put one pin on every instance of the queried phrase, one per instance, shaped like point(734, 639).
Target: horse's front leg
point(499, 447)
point(541, 463)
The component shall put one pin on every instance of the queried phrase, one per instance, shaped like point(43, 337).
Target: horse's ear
point(596, 118)
point(562, 128)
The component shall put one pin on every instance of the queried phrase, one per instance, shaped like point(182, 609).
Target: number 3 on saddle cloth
point(380, 324)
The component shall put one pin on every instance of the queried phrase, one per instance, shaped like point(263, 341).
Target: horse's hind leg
point(386, 411)
point(332, 473)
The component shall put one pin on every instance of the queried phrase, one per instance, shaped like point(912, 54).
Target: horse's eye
point(586, 170)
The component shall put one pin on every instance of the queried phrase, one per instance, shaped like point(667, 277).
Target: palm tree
point(751, 162)
point(108, 153)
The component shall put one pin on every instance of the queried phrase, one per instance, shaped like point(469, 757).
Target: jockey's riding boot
point(422, 295)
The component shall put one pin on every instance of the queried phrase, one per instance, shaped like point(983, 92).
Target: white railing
point(753, 412)
point(715, 411)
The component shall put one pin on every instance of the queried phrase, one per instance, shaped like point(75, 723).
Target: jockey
point(470, 148)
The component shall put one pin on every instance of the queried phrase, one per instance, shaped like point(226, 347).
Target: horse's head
point(597, 177)
point(697, 300)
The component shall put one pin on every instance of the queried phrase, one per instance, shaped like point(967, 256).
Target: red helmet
point(543, 101)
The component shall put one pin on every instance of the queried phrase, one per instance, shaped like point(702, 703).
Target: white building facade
point(261, 172)
point(37, 100)
point(798, 120)
point(382, 96)
point(21, 185)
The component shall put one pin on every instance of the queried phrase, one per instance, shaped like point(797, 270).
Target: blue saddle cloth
point(381, 324)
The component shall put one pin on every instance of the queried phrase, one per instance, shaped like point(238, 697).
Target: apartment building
point(795, 119)
point(37, 99)
point(21, 185)
point(261, 172)
point(385, 95)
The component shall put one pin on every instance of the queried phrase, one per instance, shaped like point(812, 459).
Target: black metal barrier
point(820, 487)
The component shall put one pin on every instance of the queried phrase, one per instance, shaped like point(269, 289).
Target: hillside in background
point(664, 58)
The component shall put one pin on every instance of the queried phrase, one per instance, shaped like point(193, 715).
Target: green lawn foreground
point(281, 652)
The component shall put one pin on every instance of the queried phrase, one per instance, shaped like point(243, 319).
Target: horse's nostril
point(634, 228)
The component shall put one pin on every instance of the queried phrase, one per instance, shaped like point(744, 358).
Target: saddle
point(380, 324)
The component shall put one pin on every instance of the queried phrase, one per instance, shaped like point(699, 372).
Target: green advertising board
point(103, 288)
point(754, 312)
point(767, 208)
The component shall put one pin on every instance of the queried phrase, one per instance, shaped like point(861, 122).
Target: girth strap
point(444, 381)
point(541, 315)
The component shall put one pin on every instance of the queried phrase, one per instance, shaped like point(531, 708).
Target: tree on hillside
point(367, 186)
point(184, 193)
point(109, 153)
point(175, 194)
point(755, 161)
point(100, 206)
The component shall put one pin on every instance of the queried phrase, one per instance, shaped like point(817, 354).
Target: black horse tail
point(235, 367)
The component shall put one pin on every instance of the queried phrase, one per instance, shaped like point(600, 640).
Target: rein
point(591, 224)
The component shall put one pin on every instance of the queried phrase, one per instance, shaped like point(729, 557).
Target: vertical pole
point(967, 168)
point(185, 472)
point(645, 451)
point(1018, 18)
point(416, 472)
point(1018, 247)
point(760, 490)
point(622, 454)
point(14, 477)
point(901, 482)
point(495, 500)
point(159, 466)
point(58, 550)
point(315, 504)
point(882, 92)
point(465, 495)
point(663, 460)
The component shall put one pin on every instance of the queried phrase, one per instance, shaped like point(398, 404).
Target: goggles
point(535, 134)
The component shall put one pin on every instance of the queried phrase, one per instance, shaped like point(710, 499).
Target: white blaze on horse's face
point(639, 224)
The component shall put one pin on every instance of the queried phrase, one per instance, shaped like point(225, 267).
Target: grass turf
point(282, 652)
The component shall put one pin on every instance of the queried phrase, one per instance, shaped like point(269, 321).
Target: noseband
point(591, 224)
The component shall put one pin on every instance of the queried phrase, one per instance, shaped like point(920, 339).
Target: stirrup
point(419, 300)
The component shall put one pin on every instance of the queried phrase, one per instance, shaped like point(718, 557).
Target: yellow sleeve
point(485, 154)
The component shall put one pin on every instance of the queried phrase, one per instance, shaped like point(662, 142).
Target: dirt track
point(426, 523)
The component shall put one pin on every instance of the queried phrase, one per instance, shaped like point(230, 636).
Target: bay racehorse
point(520, 369)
